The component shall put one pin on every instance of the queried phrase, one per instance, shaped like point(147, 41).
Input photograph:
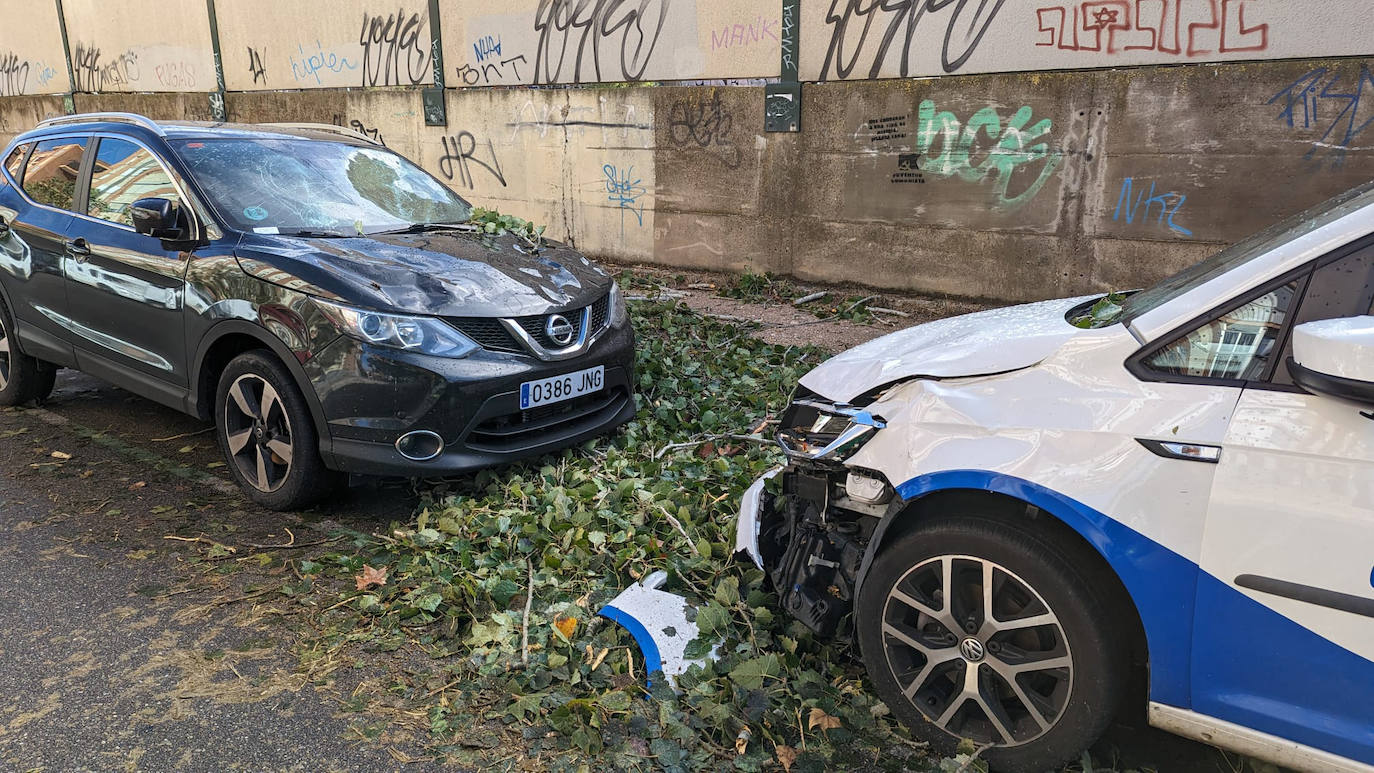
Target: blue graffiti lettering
point(310, 65)
point(486, 48)
point(1169, 205)
point(1302, 102)
point(625, 192)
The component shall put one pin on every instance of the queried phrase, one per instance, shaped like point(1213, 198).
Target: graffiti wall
point(324, 44)
point(31, 62)
point(589, 41)
point(865, 39)
point(115, 46)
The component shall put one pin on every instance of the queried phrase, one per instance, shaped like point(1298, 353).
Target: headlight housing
point(413, 334)
point(620, 310)
point(820, 430)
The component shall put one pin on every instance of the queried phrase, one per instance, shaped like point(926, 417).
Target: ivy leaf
point(525, 705)
point(751, 674)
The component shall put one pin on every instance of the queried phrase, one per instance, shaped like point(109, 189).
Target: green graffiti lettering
point(1006, 150)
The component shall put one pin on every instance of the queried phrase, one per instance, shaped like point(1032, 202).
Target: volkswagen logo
point(972, 650)
point(559, 329)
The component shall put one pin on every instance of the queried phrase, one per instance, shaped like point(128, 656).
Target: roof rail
point(329, 128)
point(133, 118)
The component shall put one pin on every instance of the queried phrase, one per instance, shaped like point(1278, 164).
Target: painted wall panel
point(316, 44)
point(857, 39)
point(128, 45)
point(574, 41)
point(31, 57)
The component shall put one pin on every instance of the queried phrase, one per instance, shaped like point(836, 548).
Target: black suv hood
point(440, 273)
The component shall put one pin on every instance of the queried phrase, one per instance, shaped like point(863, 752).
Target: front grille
point(547, 423)
point(488, 332)
point(535, 327)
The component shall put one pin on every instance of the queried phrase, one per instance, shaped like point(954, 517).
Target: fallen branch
point(525, 625)
point(708, 439)
point(293, 544)
point(203, 541)
point(893, 312)
point(809, 298)
point(678, 525)
point(182, 435)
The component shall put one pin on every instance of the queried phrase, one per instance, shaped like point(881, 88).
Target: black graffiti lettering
point(394, 51)
point(848, 40)
point(705, 123)
point(462, 149)
point(491, 72)
point(255, 65)
point(375, 134)
point(93, 76)
point(583, 25)
point(14, 75)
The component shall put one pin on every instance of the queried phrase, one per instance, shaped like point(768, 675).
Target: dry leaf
point(371, 576)
point(823, 721)
point(566, 626)
point(786, 756)
point(707, 450)
point(138, 485)
point(742, 741)
point(60, 455)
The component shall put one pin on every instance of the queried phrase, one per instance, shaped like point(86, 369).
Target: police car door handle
point(1188, 452)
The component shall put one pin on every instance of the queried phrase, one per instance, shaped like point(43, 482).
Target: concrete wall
point(1009, 186)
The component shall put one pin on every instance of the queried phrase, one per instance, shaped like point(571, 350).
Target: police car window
point(1342, 288)
point(1238, 344)
point(124, 173)
point(50, 176)
point(14, 163)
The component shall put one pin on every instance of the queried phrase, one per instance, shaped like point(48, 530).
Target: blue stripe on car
point(1323, 695)
point(652, 660)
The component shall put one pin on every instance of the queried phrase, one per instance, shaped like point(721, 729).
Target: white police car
point(1035, 517)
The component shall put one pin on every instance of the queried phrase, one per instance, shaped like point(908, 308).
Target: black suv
point(323, 300)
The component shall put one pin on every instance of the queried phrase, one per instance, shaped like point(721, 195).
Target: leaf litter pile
point(493, 590)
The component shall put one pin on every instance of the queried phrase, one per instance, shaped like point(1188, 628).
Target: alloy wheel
point(977, 650)
point(4, 354)
point(258, 432)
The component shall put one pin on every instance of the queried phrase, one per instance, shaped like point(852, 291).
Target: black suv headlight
point(816, 429)
point(414, 334)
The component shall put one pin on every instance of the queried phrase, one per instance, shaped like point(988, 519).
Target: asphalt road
point(125, 650)
point(124, 647)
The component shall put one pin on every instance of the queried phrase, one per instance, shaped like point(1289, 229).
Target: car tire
point(267, 434)
point(22, 378)
point(1051, 633)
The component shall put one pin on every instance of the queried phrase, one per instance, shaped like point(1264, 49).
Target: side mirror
point(159, 218)
point(1335, 357)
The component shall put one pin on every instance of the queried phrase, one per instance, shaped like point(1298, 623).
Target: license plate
point(560, 388)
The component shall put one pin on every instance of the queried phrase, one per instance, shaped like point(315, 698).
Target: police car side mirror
point(1335, 357)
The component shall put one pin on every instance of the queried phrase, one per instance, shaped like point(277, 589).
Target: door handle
point(79, 249)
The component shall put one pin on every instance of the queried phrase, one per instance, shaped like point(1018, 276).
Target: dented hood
point(994, 341)
point(441, 273)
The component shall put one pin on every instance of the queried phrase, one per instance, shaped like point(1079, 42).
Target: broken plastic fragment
point(658, 621)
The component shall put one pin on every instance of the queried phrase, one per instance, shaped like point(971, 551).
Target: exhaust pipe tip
point(420, 445)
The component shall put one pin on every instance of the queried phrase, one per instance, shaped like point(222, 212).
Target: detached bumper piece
point(658, 621)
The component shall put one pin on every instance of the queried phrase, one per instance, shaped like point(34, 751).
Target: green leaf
point(751, 674)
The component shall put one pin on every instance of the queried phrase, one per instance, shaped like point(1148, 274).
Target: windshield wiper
point(419, 228)
point(314, 234)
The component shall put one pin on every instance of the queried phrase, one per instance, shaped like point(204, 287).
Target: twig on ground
point(182, 435)
point(810, 298)
point(203, 541)
point(893, 312)
point(708, 439)
point(433, 693)
point(525, 625)
point(293, 544)
point(973, 758)
point(766, 328)
point(678, 525)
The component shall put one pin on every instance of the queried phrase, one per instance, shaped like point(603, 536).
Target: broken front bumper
point(750, 513)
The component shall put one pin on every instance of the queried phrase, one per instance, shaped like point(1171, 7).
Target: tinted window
point(1237, 345)
point(124, 173)
point(50, 177)
point(14, 162)
point(1342, 288)
point(287, 185)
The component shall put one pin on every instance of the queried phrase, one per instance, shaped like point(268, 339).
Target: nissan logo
point(972, 650)
point(559, 329)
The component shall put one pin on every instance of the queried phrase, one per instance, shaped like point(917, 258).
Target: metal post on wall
point(216, 97)
point(782, 101)
point(68, 102)
point(432, 98)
